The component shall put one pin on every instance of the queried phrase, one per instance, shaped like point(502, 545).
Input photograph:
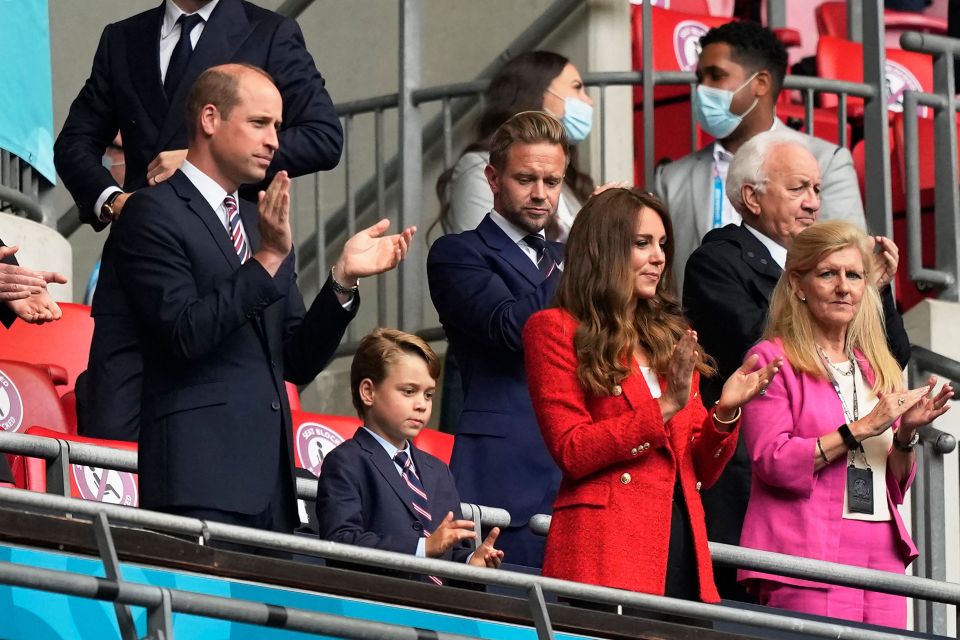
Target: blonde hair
point(790, 319)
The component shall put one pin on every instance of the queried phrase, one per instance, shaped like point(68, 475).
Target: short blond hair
point(527, 127)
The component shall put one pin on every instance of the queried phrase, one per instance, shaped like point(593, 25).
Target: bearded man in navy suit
point(485, 284)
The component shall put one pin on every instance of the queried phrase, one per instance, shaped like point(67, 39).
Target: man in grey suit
point(740, 74)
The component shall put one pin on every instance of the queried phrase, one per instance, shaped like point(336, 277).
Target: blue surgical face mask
point(577, 119)
point(712, 107)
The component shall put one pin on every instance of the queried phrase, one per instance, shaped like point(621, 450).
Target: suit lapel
point(702, 174)
point(757, 256)
point(494, 237)
point(195, 201)
point(144, 63)
point(635, 388)
point(222, 36)
point(386, 467)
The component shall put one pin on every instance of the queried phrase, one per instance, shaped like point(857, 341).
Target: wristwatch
point(909, 445)
point(107, 214)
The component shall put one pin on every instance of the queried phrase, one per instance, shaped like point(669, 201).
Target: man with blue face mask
point(740, 73)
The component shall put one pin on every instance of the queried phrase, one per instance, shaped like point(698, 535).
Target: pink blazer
point(794, 509)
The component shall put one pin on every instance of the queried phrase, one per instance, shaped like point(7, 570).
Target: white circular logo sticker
point(106, 485)
point(686, 43)
point(314, 442)
point(11, 404)
point(900, 79)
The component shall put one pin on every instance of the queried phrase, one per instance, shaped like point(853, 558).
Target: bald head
point(774, 183)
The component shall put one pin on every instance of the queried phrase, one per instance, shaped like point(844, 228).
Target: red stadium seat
point(293, 395)
point(65, 342)
point(832, 21)
point(436, 443)
point(688, 6)
point(676, 47)
point(89, 483)
point(29, 398)
point(315, 435)
point(839, 59)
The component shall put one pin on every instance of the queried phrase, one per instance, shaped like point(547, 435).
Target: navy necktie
point(419, 501)
point(546, 263)
point(177, 67)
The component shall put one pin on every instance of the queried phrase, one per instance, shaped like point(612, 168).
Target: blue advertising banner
point(26, 94)
point(28, 614)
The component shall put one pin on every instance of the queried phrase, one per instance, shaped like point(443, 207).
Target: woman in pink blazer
point(612, 374)
point(838, 401)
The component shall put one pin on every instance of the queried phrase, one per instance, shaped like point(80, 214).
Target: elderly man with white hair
point(774, 184)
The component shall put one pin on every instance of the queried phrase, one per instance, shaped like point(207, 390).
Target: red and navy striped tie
point(419, 501)
point(236, 233)
point(546, 263)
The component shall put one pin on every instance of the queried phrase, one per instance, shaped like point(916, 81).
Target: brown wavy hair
point(597, 289)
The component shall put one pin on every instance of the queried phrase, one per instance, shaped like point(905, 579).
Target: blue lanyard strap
point(717, 198)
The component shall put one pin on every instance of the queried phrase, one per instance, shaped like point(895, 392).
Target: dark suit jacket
point(362, 500)
point(124, 93)
point(726, 294)
point(218, 339)
point(7, 316)
point(485, 289)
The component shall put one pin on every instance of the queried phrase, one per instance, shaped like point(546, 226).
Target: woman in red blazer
point(613, 377)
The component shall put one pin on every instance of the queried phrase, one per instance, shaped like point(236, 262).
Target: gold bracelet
point(824, 455)
point(731, 420)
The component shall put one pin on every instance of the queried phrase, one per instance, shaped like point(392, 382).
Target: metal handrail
point(82, 453)
point(207, 530)
point(21, 201)
point(817, 570)
point(51, 449)
point(208, 606)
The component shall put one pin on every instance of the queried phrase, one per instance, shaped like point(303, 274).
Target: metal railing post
point(111, 568)
point(877, 203)
point(649, 133)
point(946, 197)
point(538, 608)
point(58, 471)
point(160, 618)
point(412, 273)
point(776, 14)
point(855, 20)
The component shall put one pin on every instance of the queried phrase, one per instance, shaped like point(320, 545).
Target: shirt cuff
point(421, 543)
point(98, 206)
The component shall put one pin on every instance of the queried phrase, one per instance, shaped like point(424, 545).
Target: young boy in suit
point(377, 489)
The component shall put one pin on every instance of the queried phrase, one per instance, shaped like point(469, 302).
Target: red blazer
point(611, 519)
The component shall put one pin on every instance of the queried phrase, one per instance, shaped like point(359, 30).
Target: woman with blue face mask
point(533, 81)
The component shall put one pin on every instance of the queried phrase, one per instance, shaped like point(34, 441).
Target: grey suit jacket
point(686, 187)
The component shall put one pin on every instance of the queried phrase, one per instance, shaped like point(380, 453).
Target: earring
point(803, 300)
